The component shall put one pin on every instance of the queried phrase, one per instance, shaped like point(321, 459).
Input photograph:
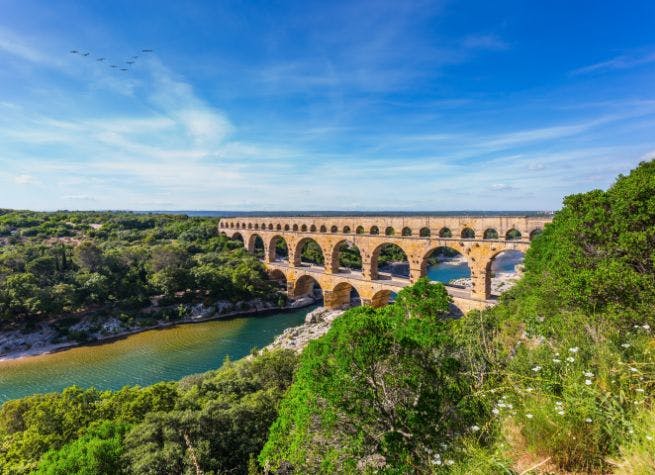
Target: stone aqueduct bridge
point(479, 239)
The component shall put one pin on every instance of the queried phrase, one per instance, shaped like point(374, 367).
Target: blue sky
point(429, 105)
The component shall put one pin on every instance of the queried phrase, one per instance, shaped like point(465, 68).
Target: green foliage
point(379, 384)
point(74, 261)
point(221, 416)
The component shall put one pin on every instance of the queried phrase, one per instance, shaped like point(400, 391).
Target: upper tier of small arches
point(512, 232)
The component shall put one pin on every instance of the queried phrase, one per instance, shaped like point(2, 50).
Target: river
point(165, 354)
point(145, 358)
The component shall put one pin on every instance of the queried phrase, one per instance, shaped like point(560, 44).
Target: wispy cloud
point(618, 62)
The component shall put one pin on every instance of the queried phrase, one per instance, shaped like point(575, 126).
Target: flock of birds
point(129, 62)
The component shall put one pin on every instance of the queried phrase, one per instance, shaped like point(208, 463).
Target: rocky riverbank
point(500, 282)
point(57, 334)
point(317, 323)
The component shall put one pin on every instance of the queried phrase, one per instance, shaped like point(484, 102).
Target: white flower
point(649, 437)
point(634, 370)
point(639, 390)
point(555, 360)
point(561, 413)
point(589, 374)
point(574, 349)
point(536, 368)
point(510, 406)
point(529, 416)
point(474, 428)
point(588, 420)
point(626, 345)
point(529, 389)
point(495, 411)
point(646, 326)
point(570, 359)
point(587, 382)
point(450, 462)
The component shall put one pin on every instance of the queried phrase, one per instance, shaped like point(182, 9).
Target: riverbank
point(93, 329)
point(317, 323)
point(500, 282)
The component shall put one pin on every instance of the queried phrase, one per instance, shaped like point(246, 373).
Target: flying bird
point(74, 51)
point(113, 66)
point(100, 59)
point(85, 54)
point(147, 50)
point(134, 57)
point(123, 69)
point(129, 62)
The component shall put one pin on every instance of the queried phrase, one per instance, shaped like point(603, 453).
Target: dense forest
point(69, 262)
point(559, 377)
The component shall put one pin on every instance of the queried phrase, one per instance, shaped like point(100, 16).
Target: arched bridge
point(478, 238)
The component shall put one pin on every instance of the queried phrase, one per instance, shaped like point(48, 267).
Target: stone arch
point(270, 226)
point(490, 233)
point(306, 285)
point(323, 229)
point(345, 254)
point(389, 231)
point(278, 249)
point(424, 232)
point(346, 229)
point(502, 267)
point(341, 296)
point(256, 226)
point(444, 264)
point(256, 245)
point(513, 234)
point(334, 228)
point(313, 256)
point(278, 227)
point(237, 236)
point(263, 226)
point(360, 230)
point(286, 227)
point(303, 228)
point(295, 227)
point(279, 277)
point(406, 231)
point(381, 298)
point(312, 228)
point(223, 233)
point(249, 225)
point(374, 230)
point(467, 233)
point(535, 232)
point(243, 225)
point(445, 232)
point(390, 262)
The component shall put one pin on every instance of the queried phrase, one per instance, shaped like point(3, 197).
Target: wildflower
point(450, 462)
point(626, 345)
point(555, 360)
point(587, 382)
point(633, 369)
point(529, 416)
point(570, 359)
point(640, 390)
point(589, 374)
point(510, 406)
point(649, 437)
point(646, 326)
point(561, 413)
point(574, 349)
point(588, 420)
point(529, 389)
point(474, 428)
point(495, 411)
point(536, 368)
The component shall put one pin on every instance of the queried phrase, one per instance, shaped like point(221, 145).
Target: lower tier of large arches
point(337, 289)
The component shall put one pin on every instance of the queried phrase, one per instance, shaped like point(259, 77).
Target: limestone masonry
point(478, 238)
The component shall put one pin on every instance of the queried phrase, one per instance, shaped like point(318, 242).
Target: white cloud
point(25, 180)
point(618, 62)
